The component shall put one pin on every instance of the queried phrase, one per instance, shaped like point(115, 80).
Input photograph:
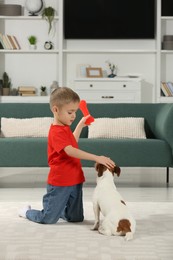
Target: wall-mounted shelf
point(130, 51)
point(28, 99)
point(24, 17)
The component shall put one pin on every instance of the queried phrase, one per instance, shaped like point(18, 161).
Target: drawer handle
point(124, 86)
point(91, 85)
point(107, 96)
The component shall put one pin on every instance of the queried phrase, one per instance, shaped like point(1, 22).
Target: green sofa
point(155, 151)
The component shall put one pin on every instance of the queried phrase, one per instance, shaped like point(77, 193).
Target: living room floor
point(151, 202)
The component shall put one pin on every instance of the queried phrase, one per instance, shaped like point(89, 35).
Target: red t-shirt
point(64, 170)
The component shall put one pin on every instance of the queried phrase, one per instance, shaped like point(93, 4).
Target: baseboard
point(36, 177)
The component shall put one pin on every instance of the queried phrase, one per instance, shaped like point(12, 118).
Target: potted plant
point(43, 91)
point(48, 14)
point(6, 84)
point(32, 41)
point(113, 69)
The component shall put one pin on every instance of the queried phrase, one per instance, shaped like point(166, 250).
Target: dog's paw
point(129, 236)
point(95, 227)
point(105, 232)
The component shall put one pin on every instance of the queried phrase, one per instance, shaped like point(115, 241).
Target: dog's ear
point(117, 170)
point(100, 168)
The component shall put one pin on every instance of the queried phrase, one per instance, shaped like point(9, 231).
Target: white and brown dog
point(107, 200)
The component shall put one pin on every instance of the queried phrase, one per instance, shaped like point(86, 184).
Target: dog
point(107, 200)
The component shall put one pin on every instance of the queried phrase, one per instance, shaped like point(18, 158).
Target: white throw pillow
point(127, 127)
point(27, 127)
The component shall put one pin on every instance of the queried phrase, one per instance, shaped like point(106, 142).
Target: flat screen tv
point(167, 7)
point(109, 19)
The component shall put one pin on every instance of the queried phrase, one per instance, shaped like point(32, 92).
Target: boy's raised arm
point(79, 127)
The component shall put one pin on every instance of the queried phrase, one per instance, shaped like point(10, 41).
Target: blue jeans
point(59, 202)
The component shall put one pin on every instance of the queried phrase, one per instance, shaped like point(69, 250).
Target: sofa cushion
point(32, 152)
point(129, 152)
point(23, 152)
point(28, 127)
point(126, 127)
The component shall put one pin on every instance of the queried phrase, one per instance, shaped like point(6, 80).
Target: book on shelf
point(170, 86)
point(9, 42)
point(27, 88)
point(1, 41)
point(166, 91)
point(16, 42)
point(163, 89)
point(26, 91)
point(5, 41)
point(1, 46)
point(27, 94)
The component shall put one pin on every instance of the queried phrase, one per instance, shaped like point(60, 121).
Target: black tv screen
point(109, 19)
point(167, 7)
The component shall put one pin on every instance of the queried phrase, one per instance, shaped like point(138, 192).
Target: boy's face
point(66, 114)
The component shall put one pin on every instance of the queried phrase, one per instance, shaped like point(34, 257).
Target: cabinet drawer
point(110, 96)
point(106, 85)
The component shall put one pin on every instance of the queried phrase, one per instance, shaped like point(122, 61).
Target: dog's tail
point(124, 227)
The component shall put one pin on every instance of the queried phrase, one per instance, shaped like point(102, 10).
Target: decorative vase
point(34, 6)
point(43, 93)
point(112, 75)
point(53, 86)
point(5, 91)
point(32, 46)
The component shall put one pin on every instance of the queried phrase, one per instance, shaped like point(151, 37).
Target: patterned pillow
point(27, 127)
point(127, 127)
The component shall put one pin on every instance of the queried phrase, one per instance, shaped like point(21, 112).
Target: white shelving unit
point(27, 67)
point(41, 67)
point(164, 57)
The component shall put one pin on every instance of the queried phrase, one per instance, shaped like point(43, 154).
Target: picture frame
point(81, 70)
point(94, 72)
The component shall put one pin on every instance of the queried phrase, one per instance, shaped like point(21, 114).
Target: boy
point(64, 185)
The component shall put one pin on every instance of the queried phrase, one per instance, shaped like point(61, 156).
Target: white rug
point(25, 240)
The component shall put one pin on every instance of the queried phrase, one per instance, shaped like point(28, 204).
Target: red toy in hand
point(84, 109)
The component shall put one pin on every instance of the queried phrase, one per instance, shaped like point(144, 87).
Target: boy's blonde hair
point(62, 96)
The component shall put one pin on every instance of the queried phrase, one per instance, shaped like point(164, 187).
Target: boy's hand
point(106, 161)
point(79, 127)
point(83, 120)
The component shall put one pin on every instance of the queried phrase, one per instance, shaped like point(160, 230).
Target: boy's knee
point(75, 219)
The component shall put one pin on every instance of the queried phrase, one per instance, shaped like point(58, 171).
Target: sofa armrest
point(164, 124)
